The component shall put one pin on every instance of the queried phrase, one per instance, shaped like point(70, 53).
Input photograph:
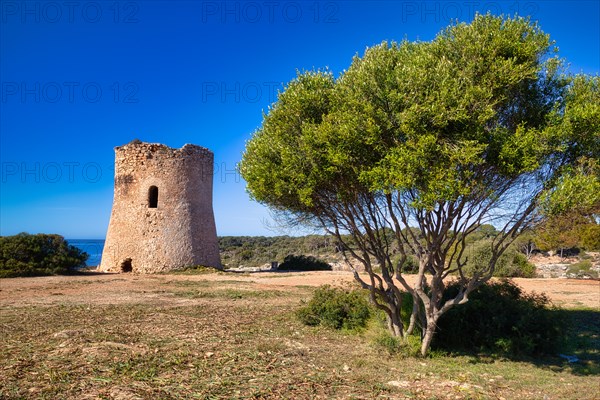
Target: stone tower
point(162, 217)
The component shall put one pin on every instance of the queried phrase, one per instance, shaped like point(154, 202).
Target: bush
point(246, 255)
point(336, 308)
point(500, 318)
point(519, 267)
point(511, 264)
point(582, 269)
point(382, 339)
point(303, 263)
point(410, 265)
point(38, 255)
point(378, 334)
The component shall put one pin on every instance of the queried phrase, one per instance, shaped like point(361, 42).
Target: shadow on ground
point(582, 342)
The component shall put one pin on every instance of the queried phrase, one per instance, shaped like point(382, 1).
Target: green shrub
point(336, 308)
point(383, 339)
point(410, 265)
point(511, 264)
point(378, 334)
point(500, 318)
point(303, 263)
point(246, 255)
point(582, 269)
point(38, 255)
point(518, 267)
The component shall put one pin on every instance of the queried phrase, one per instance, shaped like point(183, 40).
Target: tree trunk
point(395, 325)
point(428, 337)
point(413, 317)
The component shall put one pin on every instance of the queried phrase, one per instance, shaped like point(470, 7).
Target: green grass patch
point(233, 294)
point(195, 270)
point(206, 284)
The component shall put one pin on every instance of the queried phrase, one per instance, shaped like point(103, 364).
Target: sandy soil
point(128, 288)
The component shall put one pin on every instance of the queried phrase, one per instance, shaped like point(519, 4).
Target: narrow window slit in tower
point(153, 197)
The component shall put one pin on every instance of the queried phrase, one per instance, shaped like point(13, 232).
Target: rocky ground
point(554, 266)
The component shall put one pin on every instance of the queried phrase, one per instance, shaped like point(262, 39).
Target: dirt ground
point(235, 336)
point(129, 288)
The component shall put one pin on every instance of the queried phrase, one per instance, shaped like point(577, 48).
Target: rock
point(67, 334)
point(402, 384)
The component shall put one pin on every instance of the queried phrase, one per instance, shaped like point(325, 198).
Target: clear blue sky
point(81, 78)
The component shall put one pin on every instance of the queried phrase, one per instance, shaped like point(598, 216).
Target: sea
point(93, 247)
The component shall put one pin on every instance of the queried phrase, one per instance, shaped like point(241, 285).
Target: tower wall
point(175, 232)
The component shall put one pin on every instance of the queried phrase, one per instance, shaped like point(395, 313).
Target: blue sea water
point(93, 247)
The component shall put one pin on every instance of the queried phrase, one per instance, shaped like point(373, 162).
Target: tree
point(560, 233)
point(590, 237)
point(571, 208)
point(577, 190)
point(525, 244)
point(428, 141)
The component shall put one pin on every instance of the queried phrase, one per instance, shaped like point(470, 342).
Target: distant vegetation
point(315, 252)
point(304, 263)
point(254, 251)
point(38, 255)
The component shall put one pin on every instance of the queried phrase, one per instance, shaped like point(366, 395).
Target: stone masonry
point(162, 217)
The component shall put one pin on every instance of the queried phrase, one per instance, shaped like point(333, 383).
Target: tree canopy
point(429, 141)
point(38, 255)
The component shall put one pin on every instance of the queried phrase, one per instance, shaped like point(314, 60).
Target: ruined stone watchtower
point(162, 217)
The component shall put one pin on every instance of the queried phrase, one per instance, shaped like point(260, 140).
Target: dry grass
point(190, 337)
